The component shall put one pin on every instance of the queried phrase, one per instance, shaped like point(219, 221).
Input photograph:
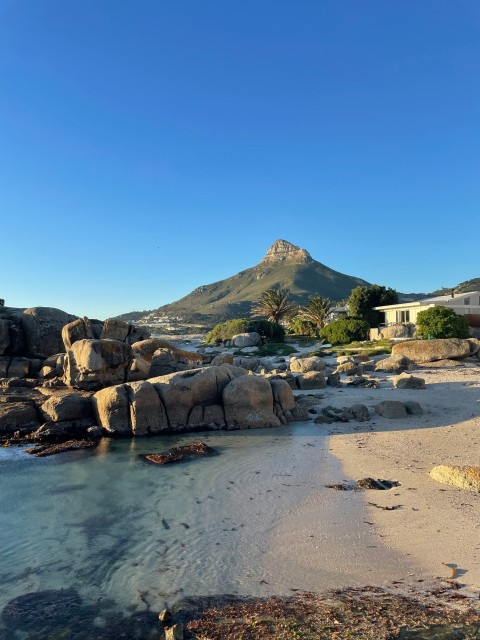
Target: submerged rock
point(181, 454)
point(43, 450)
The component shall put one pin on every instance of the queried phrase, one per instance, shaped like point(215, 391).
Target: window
point(403, 316)
point(466, 301)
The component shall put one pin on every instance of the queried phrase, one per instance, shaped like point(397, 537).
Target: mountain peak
point(282, 251)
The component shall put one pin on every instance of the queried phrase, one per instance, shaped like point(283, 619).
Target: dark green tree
point(363, 299)
point(441, 322)
point(345, 330)
point(275, 304)
point(2, 302)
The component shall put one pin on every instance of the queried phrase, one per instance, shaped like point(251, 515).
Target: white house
point(464, 304)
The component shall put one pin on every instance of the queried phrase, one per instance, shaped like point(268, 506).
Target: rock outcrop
point(462, 477)
point(420, 351)
point(94, 364)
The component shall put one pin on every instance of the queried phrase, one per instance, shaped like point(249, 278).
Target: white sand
point(435, 524)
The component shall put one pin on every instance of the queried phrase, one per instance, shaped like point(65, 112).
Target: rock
point(123, 331)
point(248, 363)
point(18, 416)
point(419, 351)
point(249, 350)
point(344, 359)
point(43, 450)
point(397, 331)
point(311, 380)
point(413, 408)
point(360, 412)
point(181, 454)
point(248, 403)
point(147, 413)
point(223, 358)
point(81, 329)
point(242, 340)
point(183, 391)
point(95, 432)
point(72, 406)
point(350, 368)
point(283, 400)
point(42, 327)
point(52, 367)
point(112, 409)
point(19, 368)
point(4, 336)
point(406, 381)
point(93, 364)
point(165, 616)
point(146, 348)
point(333, 380)
point(379, 485)
point(462, 477)
point(392, 409)
point(175, 632)
point(304, 365)
point(139, 369)
point(165, 361)
point(394, 364)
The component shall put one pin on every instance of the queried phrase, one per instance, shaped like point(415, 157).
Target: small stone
point(413, 408)
point(392, 409)
point(175, 632)
point(165, 616)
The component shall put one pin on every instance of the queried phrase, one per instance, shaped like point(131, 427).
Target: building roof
point(435, 300)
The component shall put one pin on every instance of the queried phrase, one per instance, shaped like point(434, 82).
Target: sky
point(147, 148)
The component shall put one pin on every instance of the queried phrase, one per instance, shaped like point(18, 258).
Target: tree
point(275, 304)
point(441, 322)
point(316, 312)
point(363, 299)
point(345, 330)
point(2, 302)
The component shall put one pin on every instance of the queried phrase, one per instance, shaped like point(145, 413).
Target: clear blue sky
point(150, 147)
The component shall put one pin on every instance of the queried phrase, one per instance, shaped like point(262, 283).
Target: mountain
point(463, 287)
point(284, 265)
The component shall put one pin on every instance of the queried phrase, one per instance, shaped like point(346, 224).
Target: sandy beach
point(432, 526)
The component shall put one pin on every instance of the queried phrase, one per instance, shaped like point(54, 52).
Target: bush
point(345, 330)
point(269, 331)
point(299, 327)
point(441, 322)
point(363, 299)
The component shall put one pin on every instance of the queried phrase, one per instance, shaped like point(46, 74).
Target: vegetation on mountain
point(269, 331)
point(463, 287)
point(363, 299)
point(345, 330)
point(441, 322)
point(275, 304)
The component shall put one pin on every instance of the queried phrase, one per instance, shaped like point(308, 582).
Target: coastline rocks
point(168, 360)
point(18, 416)
point(247, 362)
point(223, 358)
point(283, 400)
point(71, 406)
point(42, 328)
point(80, 329)
point(248, 403)
point(147, 413)
point(462, 477)
point(93, 364)
point(311, 380)
point(305, 365)
point(394, 364)
point(406, 381)
point(391, 409)
point(181, 454)
point(420, 351)
point(146, 348)
point(350, 368)
point(4, 336)
point(112, 409)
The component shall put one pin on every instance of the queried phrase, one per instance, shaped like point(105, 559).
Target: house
point(464, 304)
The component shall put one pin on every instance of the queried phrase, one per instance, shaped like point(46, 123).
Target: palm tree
point(317, 311)
point(276, 304)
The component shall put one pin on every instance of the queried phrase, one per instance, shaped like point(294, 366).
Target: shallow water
point(121, 530)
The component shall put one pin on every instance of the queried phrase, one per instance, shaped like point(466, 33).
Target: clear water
point(116, 527)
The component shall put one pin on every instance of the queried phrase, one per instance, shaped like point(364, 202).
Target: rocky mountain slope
point(284, 265)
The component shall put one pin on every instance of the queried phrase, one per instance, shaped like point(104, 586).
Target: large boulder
point(394, 364)
point(12, 323)
point(16, 416)
point(123, 331)
point(463, 477)
point(248, 403)
point(251, 339)
point(70, 406)
point(112, 409)
point(147, 413)
point(304, 365)
point(397, 331)
point(311, 380)
point(420, 351)
point(93, 364)
point(189, 396)
point(283, 400)
point(391, 409)
point(146, 348)
point(170, 360)
point(42, 327)
point(81, 329)
point(4, 336)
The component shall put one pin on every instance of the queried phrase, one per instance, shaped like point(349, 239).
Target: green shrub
point(299, 327)
point(269, 331)
point(441, 322)
point(345, 330)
